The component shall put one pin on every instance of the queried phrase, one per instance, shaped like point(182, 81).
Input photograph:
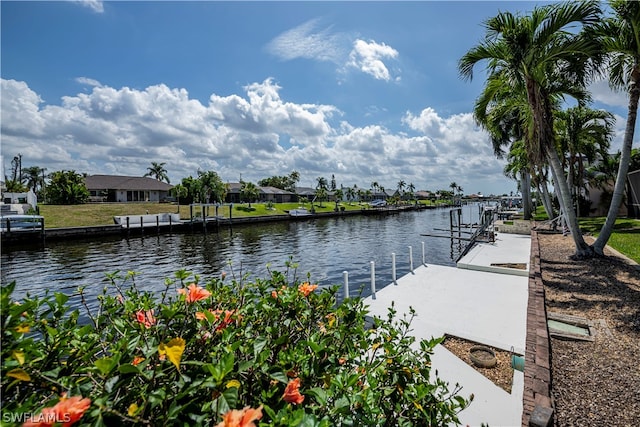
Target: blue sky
point(365, 91)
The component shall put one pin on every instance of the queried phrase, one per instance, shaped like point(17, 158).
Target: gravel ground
point(594, 383)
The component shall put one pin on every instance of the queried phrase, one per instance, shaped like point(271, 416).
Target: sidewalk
point(477, 302)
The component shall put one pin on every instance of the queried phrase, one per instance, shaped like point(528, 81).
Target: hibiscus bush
point(224, 352)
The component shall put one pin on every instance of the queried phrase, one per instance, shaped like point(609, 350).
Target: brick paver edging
point(537, 407)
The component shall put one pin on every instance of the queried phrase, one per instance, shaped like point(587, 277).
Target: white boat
point(299, 212)
point(21, 222)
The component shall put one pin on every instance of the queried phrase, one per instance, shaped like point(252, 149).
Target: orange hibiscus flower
point(66, 412)
point(241, 417)
point(292, 392)
point(200, 315)
point(146, 318)
point(195, 293)
point(306, 288)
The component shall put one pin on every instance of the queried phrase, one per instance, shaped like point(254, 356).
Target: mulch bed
point(501, 374)
point(594, 383)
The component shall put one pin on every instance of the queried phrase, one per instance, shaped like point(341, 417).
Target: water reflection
point(323, 247)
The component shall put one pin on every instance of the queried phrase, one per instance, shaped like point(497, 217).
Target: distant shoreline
point(40, 237)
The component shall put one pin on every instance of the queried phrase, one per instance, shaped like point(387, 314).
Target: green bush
point(273, 349)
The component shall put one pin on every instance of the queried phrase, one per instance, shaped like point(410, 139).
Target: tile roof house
point(115, 188)
point(267, 194)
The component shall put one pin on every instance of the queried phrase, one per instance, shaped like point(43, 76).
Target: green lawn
point(625, 237)
point(57, 216)
point(90, 214)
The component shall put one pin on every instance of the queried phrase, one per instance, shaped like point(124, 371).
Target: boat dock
point(484, 299)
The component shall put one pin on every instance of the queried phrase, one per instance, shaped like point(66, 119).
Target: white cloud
point(256, 134)
point(323, 44)
point(85, 81)
point(369, 57)
point(95, 5)
point(601, 92)
point(307, 41)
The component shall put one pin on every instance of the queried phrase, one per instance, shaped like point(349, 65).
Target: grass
point(92, 214)
point(625, 237)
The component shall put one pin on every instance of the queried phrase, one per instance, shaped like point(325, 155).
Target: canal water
point(323, 248)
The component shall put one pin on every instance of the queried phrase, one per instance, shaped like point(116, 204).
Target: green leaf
point(128, 368)
point(279, 376)
point(258, 345)
point(61, 299)
point(227, 363)
point(104, 365)
point(314, 346)
point(226, 401)
point(319, 394)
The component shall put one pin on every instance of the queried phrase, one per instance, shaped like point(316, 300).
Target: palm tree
point(34, 176)
point(249, 191)
point(412, 189)
point(583, 134)
point(401, 186)
point(338, 194)
point(541, 54)
point(375, 188)
point(504, 114)
point(621, 40)
point(157, 171)
point(294, 178)
point(322, 183)
point(321, 194)
point(179, 190)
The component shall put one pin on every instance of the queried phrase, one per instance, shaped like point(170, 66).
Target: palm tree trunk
point(564, 196)
point(623, 168)
point(546, 200)
point(526, 193)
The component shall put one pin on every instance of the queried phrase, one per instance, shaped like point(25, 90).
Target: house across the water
point(115, 188)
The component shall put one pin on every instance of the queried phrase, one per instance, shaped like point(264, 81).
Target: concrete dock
point(483, 299)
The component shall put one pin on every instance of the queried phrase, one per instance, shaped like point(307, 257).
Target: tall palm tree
point(621, 40)
point(157, 171)
point(541, 53)
point(411, 188)
point(401, 186)
point(505, 114)
point(321, 182)
point(375, 187)
point(584, 134)
point(338, 194)
point(321, 194)
point(453, 186)
point(294, 178)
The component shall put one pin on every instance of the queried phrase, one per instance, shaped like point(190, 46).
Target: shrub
point(274, 351)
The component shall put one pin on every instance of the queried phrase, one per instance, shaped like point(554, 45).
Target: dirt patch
point(501, 375)
point(516, 265)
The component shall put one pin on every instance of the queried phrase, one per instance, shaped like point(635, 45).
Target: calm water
point(322, 247)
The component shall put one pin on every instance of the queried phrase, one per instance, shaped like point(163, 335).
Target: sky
point(362, 91)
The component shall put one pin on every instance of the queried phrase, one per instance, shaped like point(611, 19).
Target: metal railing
point(394, 278)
